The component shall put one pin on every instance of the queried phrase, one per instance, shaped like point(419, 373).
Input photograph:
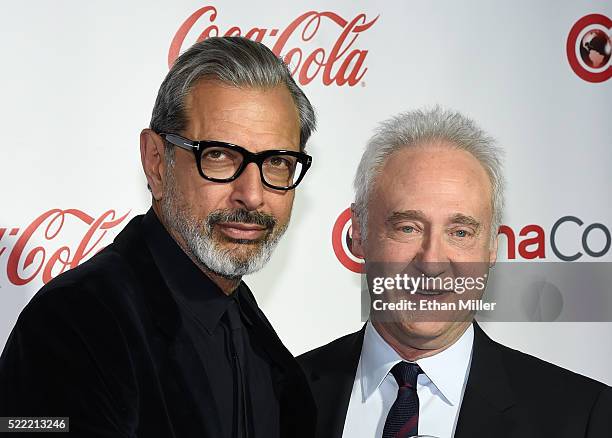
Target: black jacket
point(104, 345)
point(508, 393)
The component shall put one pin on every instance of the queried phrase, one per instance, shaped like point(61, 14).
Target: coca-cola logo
point(341, 63)
point(42, 250)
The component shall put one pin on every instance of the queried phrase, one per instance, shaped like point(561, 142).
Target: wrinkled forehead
point(255, 118)
point(438, 175)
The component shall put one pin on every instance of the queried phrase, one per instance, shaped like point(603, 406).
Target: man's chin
point(425, 331)
point(233, 258)
point(242, 256)
point(236, 264)
point(227, 276)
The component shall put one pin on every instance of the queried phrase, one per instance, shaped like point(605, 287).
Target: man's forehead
point(254, 118)
point(438, 164)
point(434, 180)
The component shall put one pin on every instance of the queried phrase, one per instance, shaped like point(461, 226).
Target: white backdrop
point(79, 80)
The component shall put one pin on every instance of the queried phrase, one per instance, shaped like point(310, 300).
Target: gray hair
point(414, 128)
point(236, 61)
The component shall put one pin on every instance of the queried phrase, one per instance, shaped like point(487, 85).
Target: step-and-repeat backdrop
point(79, 79)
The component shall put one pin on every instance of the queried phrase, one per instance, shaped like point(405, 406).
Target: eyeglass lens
point(278, 170)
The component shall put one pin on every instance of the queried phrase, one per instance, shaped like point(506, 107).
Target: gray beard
point(204, 248)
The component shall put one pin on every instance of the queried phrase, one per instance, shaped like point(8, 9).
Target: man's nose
point(431, 259)
point(248, 188)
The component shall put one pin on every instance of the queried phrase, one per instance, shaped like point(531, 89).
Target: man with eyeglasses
point(157, 336)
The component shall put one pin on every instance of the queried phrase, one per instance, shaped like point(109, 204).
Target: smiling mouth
point(242, 231)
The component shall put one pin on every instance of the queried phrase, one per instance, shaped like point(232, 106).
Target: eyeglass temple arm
point(181, 142)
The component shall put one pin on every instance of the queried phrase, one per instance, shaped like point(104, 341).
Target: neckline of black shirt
point(197, 293)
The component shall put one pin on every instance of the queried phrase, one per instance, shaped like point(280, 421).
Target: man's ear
point(152, 157)
point(356, 237)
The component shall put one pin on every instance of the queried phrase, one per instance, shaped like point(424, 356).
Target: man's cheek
point(282, 210)
point(387, 250)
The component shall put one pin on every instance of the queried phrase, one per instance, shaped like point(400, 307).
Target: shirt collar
point(447, 370)
point(194, 291)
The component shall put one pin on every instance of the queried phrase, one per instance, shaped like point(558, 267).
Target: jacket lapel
point(488, 396)
point(180, 371)
point(332, 383)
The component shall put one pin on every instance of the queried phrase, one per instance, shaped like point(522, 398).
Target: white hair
point(414, 128)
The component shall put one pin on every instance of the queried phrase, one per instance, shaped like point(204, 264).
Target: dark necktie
point(242, 428)
point(403, 418)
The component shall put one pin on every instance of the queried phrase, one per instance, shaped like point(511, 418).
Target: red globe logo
point(589, 48)
point(595, 48)
point(342, 242)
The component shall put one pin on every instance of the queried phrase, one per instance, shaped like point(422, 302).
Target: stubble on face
point(215, 252)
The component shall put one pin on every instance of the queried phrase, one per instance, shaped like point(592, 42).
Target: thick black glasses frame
point(249, 157)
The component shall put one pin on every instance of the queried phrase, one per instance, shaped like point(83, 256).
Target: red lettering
point(356, 73)
point(100, 224)
point(510, 240)
point(57, 256)
point(338, 52)
point(61, 259)
point(538, 240)
point(307, 64)
point(256, 34)
point(312, 58)
point(179, 38)
point(525, 249)
point(232, 31)
point(12, 267)
point(284, 36)
point(2, 231)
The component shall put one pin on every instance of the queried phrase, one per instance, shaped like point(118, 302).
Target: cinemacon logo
point(528, 243)
point(340, 63)
point(589, 48)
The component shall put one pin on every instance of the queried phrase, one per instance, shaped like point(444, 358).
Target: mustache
point(241, 215)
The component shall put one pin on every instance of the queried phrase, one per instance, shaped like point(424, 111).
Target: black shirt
point(238, 371)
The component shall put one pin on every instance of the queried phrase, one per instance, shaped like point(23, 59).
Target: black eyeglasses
point(224, 162)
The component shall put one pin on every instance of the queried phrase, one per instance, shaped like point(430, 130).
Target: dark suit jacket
point(104, 345)
point(508, 393)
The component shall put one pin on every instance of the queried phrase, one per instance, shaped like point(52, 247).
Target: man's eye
point(407, 229)
point(215, 155)
point(461, 233)
point(280, 162)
